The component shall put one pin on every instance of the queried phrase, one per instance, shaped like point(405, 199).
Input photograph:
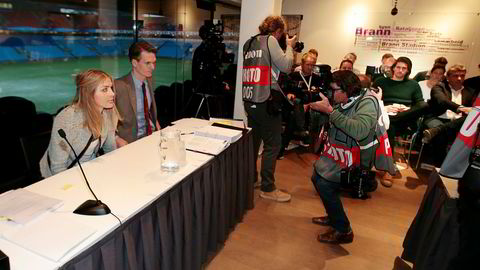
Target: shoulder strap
point(377, 106)
point(81, 153)
point(77, 158)
point(249, 44)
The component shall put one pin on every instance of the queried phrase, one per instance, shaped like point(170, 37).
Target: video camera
point(211, 32)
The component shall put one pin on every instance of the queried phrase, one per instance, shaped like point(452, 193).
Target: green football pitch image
point(51, 85)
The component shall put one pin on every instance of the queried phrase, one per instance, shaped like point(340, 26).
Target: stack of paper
point(224, 134)
point(206, 145)
point(21, 206)
point(51, 236)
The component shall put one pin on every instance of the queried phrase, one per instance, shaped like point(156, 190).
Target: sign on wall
point(408, 40)
point(422, 37)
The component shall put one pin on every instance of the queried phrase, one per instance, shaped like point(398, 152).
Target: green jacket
point(351, 125)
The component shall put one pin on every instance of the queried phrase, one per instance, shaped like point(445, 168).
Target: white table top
point(127, 180)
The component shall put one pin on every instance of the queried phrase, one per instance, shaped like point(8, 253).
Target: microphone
point(89, 207)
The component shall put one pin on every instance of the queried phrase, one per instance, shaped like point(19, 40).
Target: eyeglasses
point(335, 89)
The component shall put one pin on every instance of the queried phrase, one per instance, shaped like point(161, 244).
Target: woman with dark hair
point(89, 124)
point(352, 123)
point(346, 65)
point(437, 74)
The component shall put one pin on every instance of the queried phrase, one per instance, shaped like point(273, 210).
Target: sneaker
point(324, 221)
point(280, 157)
point(429, 134)
point(276, 195)
point(386, 180)
point(333, 236)
point(303, 144)
point(291, 146)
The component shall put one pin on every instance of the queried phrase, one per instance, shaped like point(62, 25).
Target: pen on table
point(4, 218)
point(186, 133)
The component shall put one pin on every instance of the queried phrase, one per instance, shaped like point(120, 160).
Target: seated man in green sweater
point(403, 101)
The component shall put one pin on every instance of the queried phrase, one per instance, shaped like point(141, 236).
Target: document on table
point(51, 236)
point(21, 206)
point(230, 135)
point(206, 145)
point(189, 125)
point(229, 122)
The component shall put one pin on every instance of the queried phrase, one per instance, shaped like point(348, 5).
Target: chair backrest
point(17, 118)
point(165, 105)
point(43, 122)
point(34, 146)
point(17, 115)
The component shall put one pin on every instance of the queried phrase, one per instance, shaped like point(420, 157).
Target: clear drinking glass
point(171, 150)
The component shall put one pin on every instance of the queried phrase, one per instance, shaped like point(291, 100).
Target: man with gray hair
point(450, 102)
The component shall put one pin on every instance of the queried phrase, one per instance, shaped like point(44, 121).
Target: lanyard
point(309, 80)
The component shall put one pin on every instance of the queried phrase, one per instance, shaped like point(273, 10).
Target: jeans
point(266, 128)
point(400, 123)
point(330, 194)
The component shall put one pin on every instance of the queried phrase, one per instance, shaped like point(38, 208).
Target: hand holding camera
point(291, 41)
point(322, 105)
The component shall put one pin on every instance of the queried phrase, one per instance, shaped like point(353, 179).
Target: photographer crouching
point(352, 123)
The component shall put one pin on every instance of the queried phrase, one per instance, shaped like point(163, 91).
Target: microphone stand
point(89, 207)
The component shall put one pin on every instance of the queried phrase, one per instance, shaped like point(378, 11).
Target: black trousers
point(266, 127)
point(469, 221)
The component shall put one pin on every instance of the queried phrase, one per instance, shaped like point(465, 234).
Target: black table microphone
point(89, 207)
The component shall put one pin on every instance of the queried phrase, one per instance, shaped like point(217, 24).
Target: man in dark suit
point(134, 95)
point(450, 102)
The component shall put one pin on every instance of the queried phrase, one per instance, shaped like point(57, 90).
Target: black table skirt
point(186, 225)
point(433, 238)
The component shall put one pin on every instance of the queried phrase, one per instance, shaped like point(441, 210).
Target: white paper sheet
point(230, 135)
point(206, 145)
point(21, 206)
point(51, 236)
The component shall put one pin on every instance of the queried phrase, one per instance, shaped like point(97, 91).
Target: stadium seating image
point(33, 48)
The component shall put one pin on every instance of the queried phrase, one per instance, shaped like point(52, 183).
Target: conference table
point(433, 237)
point(168, 220)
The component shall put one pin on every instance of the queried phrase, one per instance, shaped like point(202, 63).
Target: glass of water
point(171, 150)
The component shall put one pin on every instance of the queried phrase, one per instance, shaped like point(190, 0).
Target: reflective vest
point(258, 76)
point(343, 152)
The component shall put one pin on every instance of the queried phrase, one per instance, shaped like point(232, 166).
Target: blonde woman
point(89, 124)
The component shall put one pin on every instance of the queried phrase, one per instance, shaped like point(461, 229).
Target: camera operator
point(300, 85)
point(263, 97)
point(208, 60)
point(352, 123)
